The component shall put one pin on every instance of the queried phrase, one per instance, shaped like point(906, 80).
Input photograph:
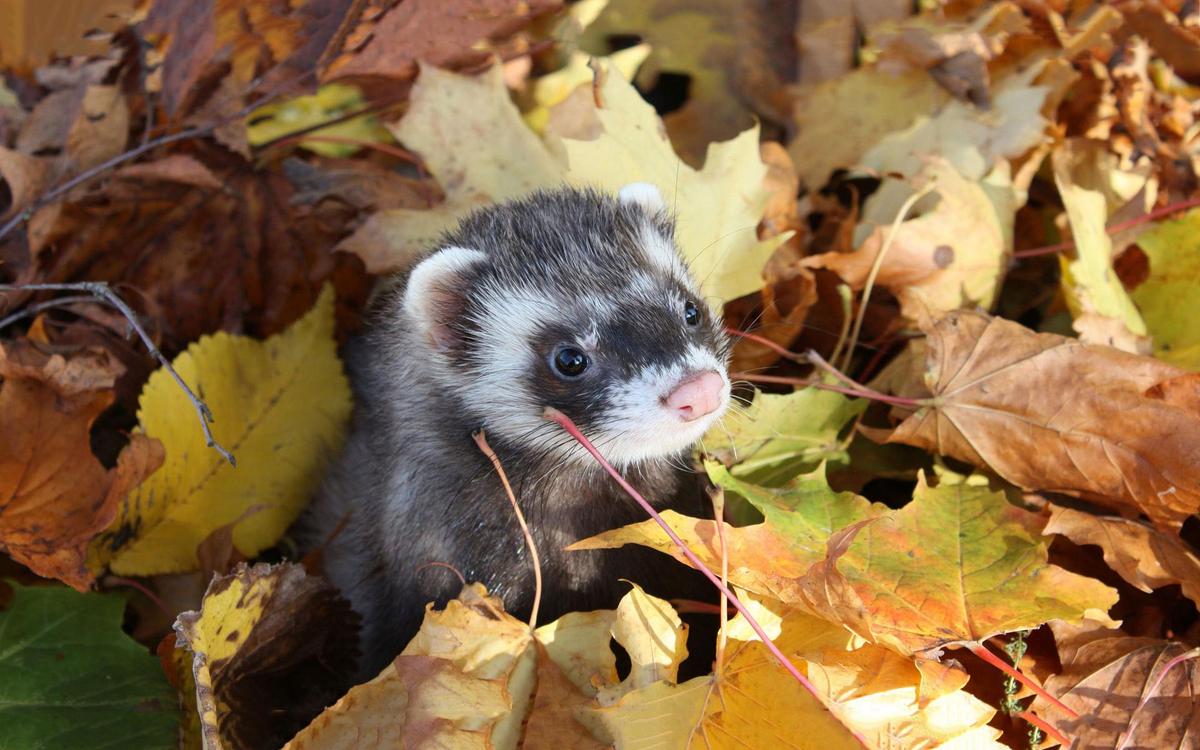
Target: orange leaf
point(54, 494)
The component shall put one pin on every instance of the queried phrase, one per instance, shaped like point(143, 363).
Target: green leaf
point(69, 678)
point(780, 436)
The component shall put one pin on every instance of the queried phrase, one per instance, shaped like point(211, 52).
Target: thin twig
point(983, 652)
point(718, 503)
point(565, 422)
point(383, 148)
point(32, 310)
point(101, 290)
point(901, 215)
point(486, 449)
point(87, 175)
point(781, 351)
point(867, 393)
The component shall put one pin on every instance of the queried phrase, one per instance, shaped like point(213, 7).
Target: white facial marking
point(661, 253)
point(639, 426)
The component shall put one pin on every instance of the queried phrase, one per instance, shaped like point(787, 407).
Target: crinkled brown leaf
point(271, 647)
point(1047, 412)
point(1117, 683)
point(1144, 556)
point(54, 494)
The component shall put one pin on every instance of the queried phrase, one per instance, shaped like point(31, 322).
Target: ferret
point(567, 298)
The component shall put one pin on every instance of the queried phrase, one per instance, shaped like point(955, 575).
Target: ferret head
point(575, 300)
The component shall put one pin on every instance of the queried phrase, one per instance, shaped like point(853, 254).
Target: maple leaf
point(69, 677)
point(55, 496)
point(1143, 556)
point(951, 256)
point(258, 392)
point(1049, 412)
point(854, 563)
point(1120, 685)
point(263, 636)
point(778, 436)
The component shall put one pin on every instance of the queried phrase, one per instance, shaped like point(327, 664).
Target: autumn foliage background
point(960, 246)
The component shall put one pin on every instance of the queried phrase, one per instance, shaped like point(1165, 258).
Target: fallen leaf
point(709, 42)
point(1118, 683)
point(779, 436)
point(55, 496)
point(271, 647)
point(331, 102)
point(953, 255)
point(1051, 413)
point(1088, 280)
point(70, 678)
point(84, 126)
point(840, 120)
point(717, 208)
point(436, 34)
point(1142, 555)
point(258, 392)
point(1169, 298)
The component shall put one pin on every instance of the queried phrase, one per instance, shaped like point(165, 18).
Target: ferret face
point(579, 301)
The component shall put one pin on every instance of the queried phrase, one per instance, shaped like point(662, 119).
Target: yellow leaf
point(718, 207)
point(1089, 283)
point(330, 102)
point(552, 88)
point(280, 406)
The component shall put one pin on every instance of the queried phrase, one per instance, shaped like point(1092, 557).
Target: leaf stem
point(103, 292)
point(1158, 213)
point(1128, 734)
point(866, 393)
point(781, 351)
point(565, 422)
point(481, 441)
point(983, 652)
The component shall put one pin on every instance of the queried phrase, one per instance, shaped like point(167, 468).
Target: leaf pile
point(962, 241)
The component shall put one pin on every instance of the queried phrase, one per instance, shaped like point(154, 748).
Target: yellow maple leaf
point(280, 406)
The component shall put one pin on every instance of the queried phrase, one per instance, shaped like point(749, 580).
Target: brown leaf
point(434, 32)
point(1049, 413)
point(257, 45)
point(242, 258)
point(1116, 683)
point(26, 177)
point(1144, 556)
point(85, 125)
point(54, 494)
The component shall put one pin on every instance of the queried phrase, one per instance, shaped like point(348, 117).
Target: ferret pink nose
point(696, 396)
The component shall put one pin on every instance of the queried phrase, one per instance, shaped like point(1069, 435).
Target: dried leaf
point(270, 647)
point(1048, 412)
point(54, 494)
point(1117, 683)
point(259, 391)
point(1144, 556)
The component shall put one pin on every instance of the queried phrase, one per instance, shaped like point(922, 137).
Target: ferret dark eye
point(570, 362)
point(691, 313)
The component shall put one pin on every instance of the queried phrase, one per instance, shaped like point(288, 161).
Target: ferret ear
point(435, 293)
point(642, 194)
